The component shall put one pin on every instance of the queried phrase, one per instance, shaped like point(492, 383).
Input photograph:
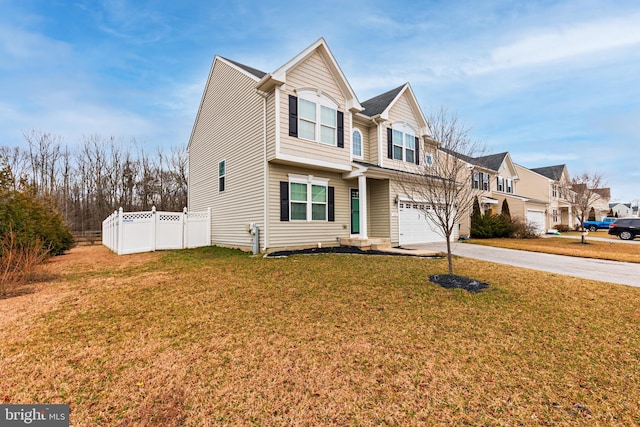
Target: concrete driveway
point(623, 273)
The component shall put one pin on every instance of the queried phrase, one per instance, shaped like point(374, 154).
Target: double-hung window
point(485, 182)
point(308, 198)
point(476, 180)
point(509, 186)
point(409, 148)
point(500, 182)
point(314, 116)
point(402, 143)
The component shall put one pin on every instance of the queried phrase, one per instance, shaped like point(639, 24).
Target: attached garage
point(536, 218)
point(415, 226)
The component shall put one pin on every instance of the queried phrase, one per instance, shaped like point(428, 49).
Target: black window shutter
point(293, 116)
point(417, 150)
point(284, 201)
point(389, 143)
point(331, 206)
point(340, 129)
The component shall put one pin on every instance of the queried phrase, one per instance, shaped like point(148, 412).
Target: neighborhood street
point(623, 273)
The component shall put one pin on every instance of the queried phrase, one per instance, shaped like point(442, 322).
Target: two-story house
point(495, 178)
point(295, 153)
point(550, 185)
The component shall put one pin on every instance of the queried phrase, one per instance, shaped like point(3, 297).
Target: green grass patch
point(215, 337)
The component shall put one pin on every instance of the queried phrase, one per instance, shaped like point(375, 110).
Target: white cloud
point(560, 44)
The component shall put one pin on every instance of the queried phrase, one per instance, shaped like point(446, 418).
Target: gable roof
point(491, 162)
point(378, 104)
point(259, 74)
point(551, 172)
point(279, 76)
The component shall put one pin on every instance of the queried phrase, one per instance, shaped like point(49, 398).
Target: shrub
point(563, 228)
point(490, 226)
point(523, 229)
point(18, 261)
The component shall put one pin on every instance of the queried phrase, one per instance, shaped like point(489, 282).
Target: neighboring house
point(546, 188)
point(621, 209)
point(601, 204)
point(295, 153)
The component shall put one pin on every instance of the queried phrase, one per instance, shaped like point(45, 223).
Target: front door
point(355, 211)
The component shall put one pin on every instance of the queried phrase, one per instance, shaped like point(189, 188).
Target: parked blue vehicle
point(597, 225)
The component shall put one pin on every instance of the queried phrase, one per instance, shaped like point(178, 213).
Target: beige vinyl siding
point(363, 126)
point(229, 127)
point(313, 73)
point(374, 146)
point(532, 184)
point(379, 208)
point(302, 233)
point(395, 190)
point(271, 126)
point(401, 112)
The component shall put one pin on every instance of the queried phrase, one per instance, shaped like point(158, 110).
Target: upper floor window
point(403, 145)
point(500, 183)
point(485, 182)
point(509, 186)
point(554, 191)
point(480, 181)
point(222, 173)
point(314, 116)
point(428, 159)
point(356, 143)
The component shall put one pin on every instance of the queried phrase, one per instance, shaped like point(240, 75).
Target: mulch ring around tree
point(451, 281)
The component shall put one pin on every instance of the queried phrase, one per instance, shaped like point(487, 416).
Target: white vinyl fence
point(133, 232)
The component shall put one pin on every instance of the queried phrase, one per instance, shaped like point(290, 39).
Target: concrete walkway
point(623, 273)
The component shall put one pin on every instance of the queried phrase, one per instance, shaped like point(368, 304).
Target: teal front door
point(355, 211)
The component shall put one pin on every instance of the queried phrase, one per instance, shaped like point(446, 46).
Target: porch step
point(374, 243)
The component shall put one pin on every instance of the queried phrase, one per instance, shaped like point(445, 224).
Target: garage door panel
point(536, 218)
point(415, 226)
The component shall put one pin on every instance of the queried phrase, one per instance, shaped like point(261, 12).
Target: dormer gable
point(320, 47)
point(380, 108)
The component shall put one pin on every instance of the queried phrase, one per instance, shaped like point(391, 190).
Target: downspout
point(265, 171)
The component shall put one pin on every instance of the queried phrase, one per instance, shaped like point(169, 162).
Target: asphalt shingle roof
point(551, 172)
point(259, 74)
point(378, 104)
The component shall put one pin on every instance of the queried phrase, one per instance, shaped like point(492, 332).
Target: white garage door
point(415, 226)
point(536, 218)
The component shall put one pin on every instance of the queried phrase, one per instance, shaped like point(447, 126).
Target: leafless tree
point(584, 191)
point(444, 184)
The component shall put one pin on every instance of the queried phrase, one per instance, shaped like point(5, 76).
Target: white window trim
point(223, 176)
point(309, 180)
point(428, 159)
point(320, 98)
point(361, 155)
point(406, 130)
point(500, 184)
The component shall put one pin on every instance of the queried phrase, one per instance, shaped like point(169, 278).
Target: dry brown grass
point(614, 251)
point(214, 337)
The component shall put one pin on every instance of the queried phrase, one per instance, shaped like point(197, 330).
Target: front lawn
point(614, 251)
point(215, 337)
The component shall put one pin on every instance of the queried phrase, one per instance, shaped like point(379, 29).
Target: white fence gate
point(133, 232)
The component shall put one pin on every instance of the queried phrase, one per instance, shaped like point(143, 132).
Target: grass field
point(215, 337)
point(614, 250)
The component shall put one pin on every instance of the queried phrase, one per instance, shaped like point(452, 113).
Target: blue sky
point(549, 81)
